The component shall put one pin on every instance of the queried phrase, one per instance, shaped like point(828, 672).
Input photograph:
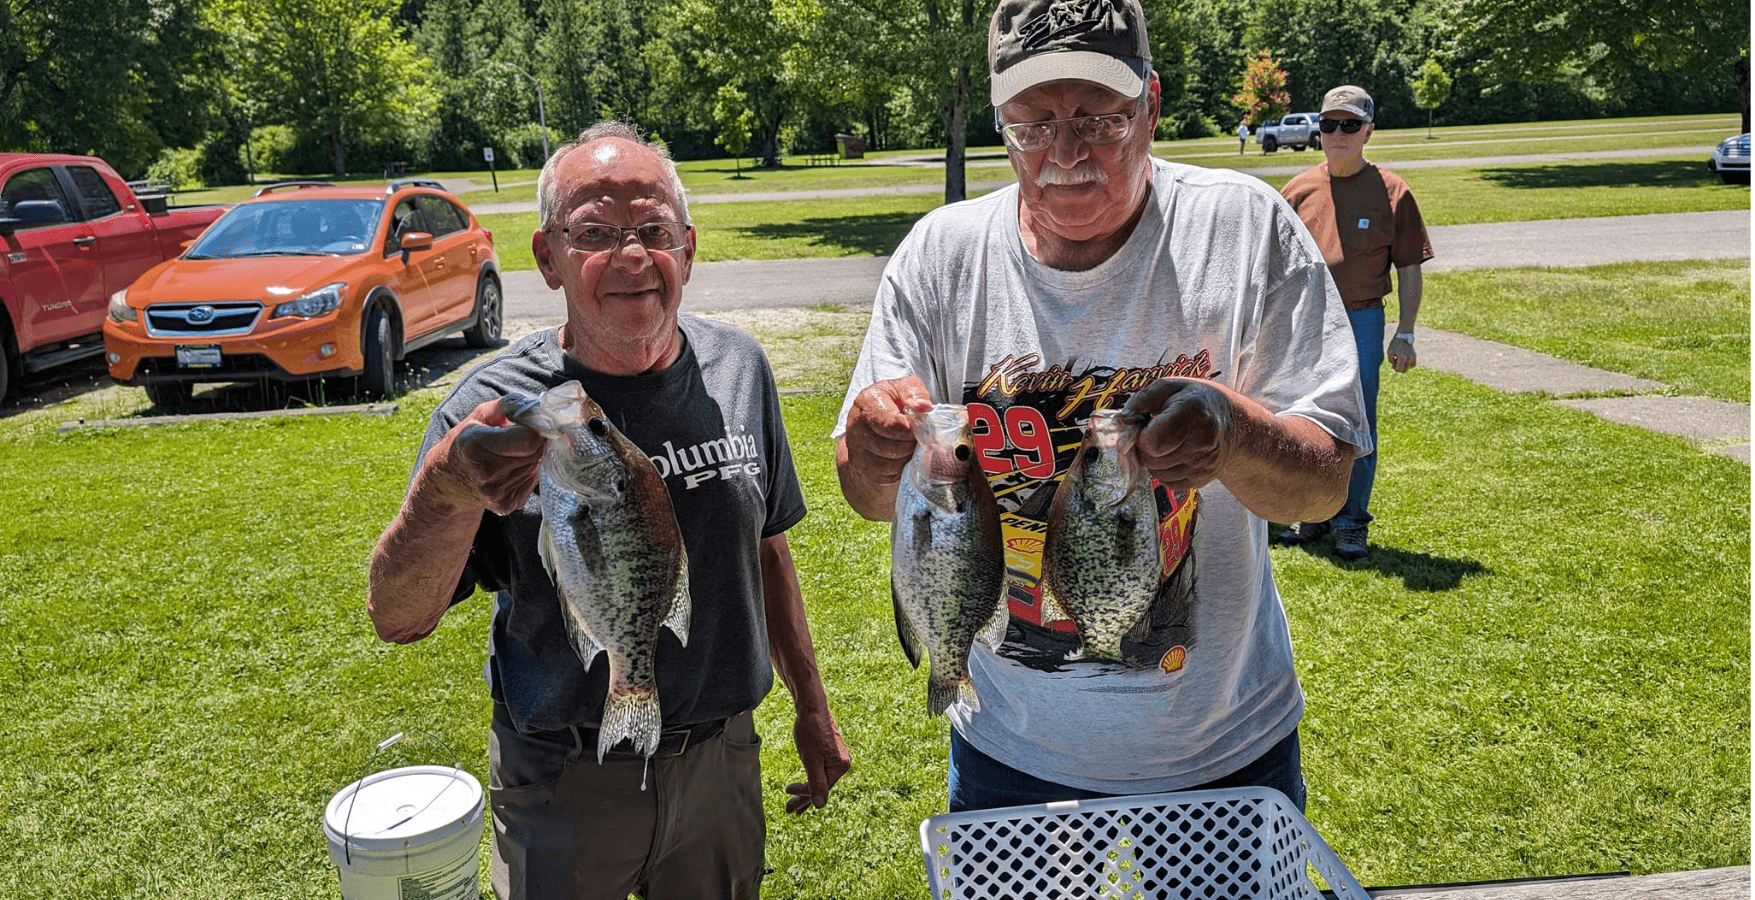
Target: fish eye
point(1092, 454)
point(963, 453)
point(598, 427)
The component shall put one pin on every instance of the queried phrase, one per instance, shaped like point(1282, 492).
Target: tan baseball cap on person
point(1348, 98)
point(1030, 42)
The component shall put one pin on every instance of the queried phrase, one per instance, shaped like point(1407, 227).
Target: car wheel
point(379, 377)
point(1269, 145)
point(1316, 142)
point(490, 312)
point(169, 395)
point(10, 368)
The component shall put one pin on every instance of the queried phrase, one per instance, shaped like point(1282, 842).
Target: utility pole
point(541, 115)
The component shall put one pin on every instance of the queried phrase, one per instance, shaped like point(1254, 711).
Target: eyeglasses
point(596, 237)
point(1350, 126)
point(1030, 137)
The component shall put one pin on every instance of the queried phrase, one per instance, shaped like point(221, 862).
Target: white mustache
point(1085, 172)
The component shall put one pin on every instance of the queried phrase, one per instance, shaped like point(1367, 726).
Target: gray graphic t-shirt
point(711, 425)
point(1219, 281)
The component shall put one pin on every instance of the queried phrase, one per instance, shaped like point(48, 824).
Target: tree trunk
point(340, 160)
point(1741, 67)
point(771, 143)
point(957, 123)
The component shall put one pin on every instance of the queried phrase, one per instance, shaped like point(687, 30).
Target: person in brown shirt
point(1366, 222)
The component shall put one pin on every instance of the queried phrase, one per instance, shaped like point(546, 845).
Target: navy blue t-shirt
point(711, 425)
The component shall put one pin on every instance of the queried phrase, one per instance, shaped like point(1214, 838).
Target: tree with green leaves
point(338, 72)
point(1262, 95)
point(1607, 46)
point(1431, 89)
point(121, 79)
point(732, 112)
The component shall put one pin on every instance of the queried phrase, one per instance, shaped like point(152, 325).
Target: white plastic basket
point(1234, 844)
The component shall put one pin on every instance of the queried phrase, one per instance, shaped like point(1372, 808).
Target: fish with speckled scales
point(610, 541)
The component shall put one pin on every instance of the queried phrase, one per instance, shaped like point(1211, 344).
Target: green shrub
point(268, 149)
point(178, 167)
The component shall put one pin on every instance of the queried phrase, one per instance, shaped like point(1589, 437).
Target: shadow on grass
point(872, 235)
point(1417, 571)
point(1606, 174)
point(425, 367)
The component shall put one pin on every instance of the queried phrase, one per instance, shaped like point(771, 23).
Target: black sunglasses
point(1350, 126)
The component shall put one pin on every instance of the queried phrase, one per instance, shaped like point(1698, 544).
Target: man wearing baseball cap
point(1105, 279)
point(1366, 222)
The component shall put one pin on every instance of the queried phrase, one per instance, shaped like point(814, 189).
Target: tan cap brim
point(1078, 65)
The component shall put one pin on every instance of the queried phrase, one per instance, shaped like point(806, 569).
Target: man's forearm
point(1286, 468)
point(873, 501)
point(1409, 285)
point(416, 566)
point(789, 641)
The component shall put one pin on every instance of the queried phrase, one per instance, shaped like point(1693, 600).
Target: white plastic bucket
point(407, 833)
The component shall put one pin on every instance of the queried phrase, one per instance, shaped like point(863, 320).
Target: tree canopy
point(322, 86)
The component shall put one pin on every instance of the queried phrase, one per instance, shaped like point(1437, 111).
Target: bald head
point(604, 143)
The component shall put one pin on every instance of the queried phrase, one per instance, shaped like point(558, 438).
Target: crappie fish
point(1101, 562)
point(947, 565)
point(610, 541)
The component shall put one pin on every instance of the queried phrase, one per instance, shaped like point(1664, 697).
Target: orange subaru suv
point(308, 280)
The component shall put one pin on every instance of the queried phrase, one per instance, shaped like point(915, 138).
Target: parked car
point(307, 280)
point(1296, 130)
point(1730, 159)
point(71, 232)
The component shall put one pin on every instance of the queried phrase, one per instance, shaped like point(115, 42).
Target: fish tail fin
point(681, 607)
point(905, 632)
point(942, 691)
point(966, 691)
point(632, 714)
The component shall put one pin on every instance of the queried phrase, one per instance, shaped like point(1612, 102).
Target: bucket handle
point(385, 744)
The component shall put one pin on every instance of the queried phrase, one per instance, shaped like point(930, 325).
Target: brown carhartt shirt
point(1364, 224)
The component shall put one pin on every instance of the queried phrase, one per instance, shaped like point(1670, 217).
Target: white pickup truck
point(1296, 130)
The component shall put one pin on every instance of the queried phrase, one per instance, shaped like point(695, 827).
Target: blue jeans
point(978, 781)
point(1368, 337)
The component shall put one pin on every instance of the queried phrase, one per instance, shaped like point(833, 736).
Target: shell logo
point(1173, 660)
point(1024, 544)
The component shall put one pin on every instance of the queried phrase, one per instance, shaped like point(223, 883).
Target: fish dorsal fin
point(904, 631)
point(681, 608)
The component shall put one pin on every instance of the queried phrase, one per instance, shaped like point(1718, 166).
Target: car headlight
point(325, 299)
point(120, 311)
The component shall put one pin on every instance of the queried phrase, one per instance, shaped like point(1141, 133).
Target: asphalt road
point(745, 284)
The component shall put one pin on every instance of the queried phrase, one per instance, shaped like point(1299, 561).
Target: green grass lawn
point(1464, 195)
point(1685, 324)
point(1543, 670)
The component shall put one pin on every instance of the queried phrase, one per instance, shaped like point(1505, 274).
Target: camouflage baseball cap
point(1030, 42)
point(1349, 98)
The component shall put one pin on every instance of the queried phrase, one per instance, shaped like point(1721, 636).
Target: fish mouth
point(523, 409)
point(941, 421)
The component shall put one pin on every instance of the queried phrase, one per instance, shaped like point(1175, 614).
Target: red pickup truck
point(72, 233)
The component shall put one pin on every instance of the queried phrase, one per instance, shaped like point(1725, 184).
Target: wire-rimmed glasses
point(598, 237)
point(1031, 137)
